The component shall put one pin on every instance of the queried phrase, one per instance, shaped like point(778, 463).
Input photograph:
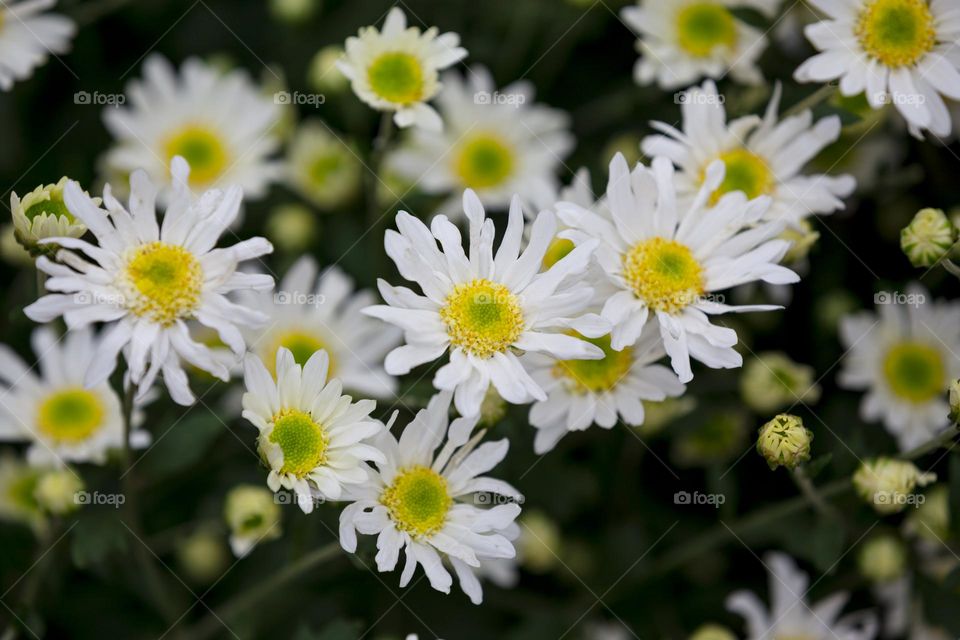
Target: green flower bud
point(882, 558)
point(203, 556)
point(888, 484)
point(323, 168)
point(292, 227)
point(772, 381)
point(323, 74)
point(713, 631)
point(931, 519)
point(57, 490)
point(539, 543)
point(928, 238)
point(42, 214)
point(784, 441)
point(253, 516)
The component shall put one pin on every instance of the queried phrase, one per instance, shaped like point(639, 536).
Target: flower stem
point(811, 101)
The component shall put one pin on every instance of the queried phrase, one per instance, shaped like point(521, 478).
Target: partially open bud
point(772, 381)
point(253, 516)
point(928, 238)
point(888, 484)
point(42, 214)
point(784, 441)
point(882, 558)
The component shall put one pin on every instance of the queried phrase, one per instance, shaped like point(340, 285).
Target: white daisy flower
point(481, 307)
point(762, 156)
point(904, 358)
point(396, 69)
point(64, 420)
point(221, 123)
point(789, 615)
point(664, 259)
point(682, 41)
point(307, 315)
point(583, 392)
point(424, 501)
point(147, 280)
point(902, 52)
point(28, 37)
point(498, 143)
point(311, 435)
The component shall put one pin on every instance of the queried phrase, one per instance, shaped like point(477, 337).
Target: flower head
point(253, 515)
point(784, 441)
point(57, 491)
point(888, 484)
point(772, 381)
point(42, 214)
point(28, 37)
point(322, 167)
point(928, 238)
point(882, 558)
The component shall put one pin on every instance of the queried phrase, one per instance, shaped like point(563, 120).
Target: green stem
point(811, 101)
point(809, 490)
point(376, 161)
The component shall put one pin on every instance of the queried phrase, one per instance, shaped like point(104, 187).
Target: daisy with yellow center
point(899, 52)
point(682, 41)
point(482, 308)
point(151, 281)
point(28, 36)
point(313, 438)
point(423, 499)
point(762, 156)
point(663, 256)
point(51, 408)
point(396, 68)
point(581, 393)
point(903, 358)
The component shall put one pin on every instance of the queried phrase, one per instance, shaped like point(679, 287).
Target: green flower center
point(302, 441)
point(397, 77)
point(482, 317)
point(325, 167)
point(70, 415)
point(898, 33)
point(418, 501)
point(203, 149)
point(915, 372)
point(596, 375)
point(484, 161)
point(704, 27)
point(664, 274)
point(746, 172)
point(55, 206)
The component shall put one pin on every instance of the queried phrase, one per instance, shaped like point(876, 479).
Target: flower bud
point(323, 74)
point(713, 631)
point(772, 381)
point(883, 558)
point(203, 555)
point(292, 227)
point(954, 398)
point(931, 519)
point(888, 484)
point(57, 490)
point(928, 238)
point(42, 214)
point(253, 516)
point(539, 544)
point(323, 167)
point(784, 441)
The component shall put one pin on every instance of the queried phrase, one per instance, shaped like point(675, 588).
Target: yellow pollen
point(70, 415)
point(915, 372)
point(301, 343)
point(484, 160)
point(704, 27)
point(302, 441)
point(482, 317)
point(397, 77)
point(596, 375)
point(664, 274)
point(898, 33)
point(166, 281)
point(418, 501)
point(557, 251)
point(204, 150)
point(746, 172)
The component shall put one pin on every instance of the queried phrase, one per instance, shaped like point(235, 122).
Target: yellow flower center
point(596, 375)
point(482, 317)
point(915, 372)
point(301, 343)
point(897, 32)
point(557, 251)
point(302, 441)
point(746, 172)
point(664, 274)
point(484, 160)
point(204, 150)
point(418, 501)
point(70, 415)
point(397, 77)
point(704, 27)
point(166, 281)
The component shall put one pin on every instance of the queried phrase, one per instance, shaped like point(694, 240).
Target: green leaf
point(98, 535)
point(181, 446)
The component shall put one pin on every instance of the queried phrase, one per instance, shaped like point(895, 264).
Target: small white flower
point(311, 435)
point(583, 392)
point(148, 279)
point(307, 314)
point(762, 156)
point(27, 37)
point(662, 259)
point(396, 69)
point(789, 615)
point(904, 358)
point(220, 123)
point(424, 502)
point(681, 41)
point(498, 143)
point(62, 418)
point(895, 51)
point(481, 307)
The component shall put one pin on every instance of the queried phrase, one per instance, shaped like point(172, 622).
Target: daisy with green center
point(481, 307)
point(498, 143)
point(904, 358)
point(424, 501)
point(149, 280)
point(41, 214)
point(62, 418)
point(900, 52)
point(308, 314)
point(312, 437)
point(396, 68)
point(221, 123)
point(763, 157)
point(663, 259)
point(682, 41)
point(583, 392)
point(322, 167)
point(28, 36)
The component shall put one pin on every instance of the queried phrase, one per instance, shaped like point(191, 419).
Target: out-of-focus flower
point(11, 249)
point(772, 381)
point(882, 558)
point(928, 238)
point(540, 545)
point(58, 490)
point(492, 409)
point(293, 11)
point(253, 516)
point(712, 631)
point(720, 436)
point(396, 69)
point(954, 398)
point(888, 484)
point(18, 498)
point(832, 306)
point(627, 144)
point(657, 415)
point(292, 227)
point(323, 75)
point(202, 555)
point(802, 238)
point(784, 441)
point(322, 167)
point(43, 214)
point(931, 519)
point(28, 37)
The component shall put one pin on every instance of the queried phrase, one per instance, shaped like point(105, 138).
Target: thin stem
point(951, 267)
point(809, 490)
point(376, 161)
point(811, 101)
